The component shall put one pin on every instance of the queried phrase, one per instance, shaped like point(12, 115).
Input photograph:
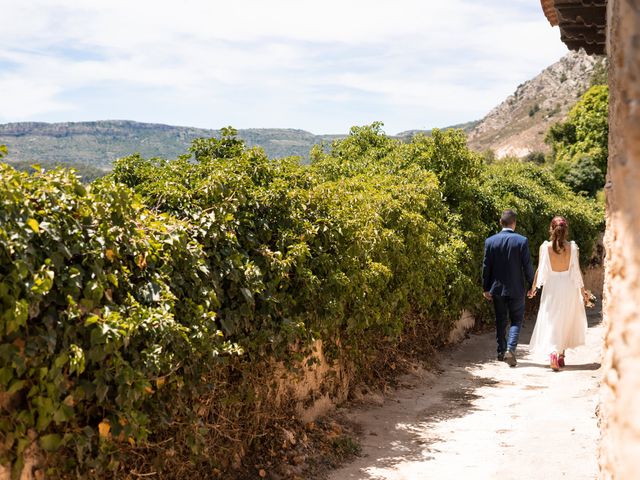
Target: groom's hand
point(487, 295)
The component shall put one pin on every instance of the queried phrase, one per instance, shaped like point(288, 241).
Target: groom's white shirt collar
point(507, 229)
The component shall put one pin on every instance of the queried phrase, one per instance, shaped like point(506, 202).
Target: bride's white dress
point(562, 320)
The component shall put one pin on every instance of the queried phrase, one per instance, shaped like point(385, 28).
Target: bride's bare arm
point(583, 291)
point(532, 293)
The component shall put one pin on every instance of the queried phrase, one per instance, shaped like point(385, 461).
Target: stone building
point(613, 27)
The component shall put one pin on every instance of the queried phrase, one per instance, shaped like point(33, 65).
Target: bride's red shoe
point(553, 362)
point(561, 360)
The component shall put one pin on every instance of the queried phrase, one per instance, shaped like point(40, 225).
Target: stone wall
point(315, 386)
point(620, 406)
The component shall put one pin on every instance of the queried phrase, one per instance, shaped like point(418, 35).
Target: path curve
point(480, 419)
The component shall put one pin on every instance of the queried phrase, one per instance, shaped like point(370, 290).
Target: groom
point(506, 267)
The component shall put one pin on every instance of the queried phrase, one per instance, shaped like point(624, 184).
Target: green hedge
point(130, 304)
point(537, 196)
point(314, 253)
point(102, 300)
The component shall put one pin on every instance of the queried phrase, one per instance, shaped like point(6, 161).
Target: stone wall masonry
point(620, 399)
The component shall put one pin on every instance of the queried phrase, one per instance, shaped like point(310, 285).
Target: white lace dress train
point(562, 320)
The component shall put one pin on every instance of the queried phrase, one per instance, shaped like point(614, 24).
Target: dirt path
point(481, 419)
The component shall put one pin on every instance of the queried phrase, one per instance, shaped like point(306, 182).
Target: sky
point(321, 66)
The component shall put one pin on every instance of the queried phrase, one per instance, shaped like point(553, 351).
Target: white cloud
point(27, 98)
point(316, 65)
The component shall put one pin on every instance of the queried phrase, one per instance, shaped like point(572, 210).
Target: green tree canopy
point(585, 176)
point(581, 142)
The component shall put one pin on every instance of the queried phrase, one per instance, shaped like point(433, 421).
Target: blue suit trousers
point(508, 309)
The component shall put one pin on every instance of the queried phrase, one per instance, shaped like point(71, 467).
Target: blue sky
point(320, 66)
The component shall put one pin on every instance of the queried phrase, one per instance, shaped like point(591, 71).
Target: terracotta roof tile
point(582, 22)
point(549, 10)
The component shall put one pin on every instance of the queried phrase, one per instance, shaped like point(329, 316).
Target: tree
point(228, 146)
point(584, 134)
point(534, 109)
point(584, 176)
point(536, 157)
point(600, 75)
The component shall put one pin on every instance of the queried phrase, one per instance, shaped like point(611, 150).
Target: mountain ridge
point(515, 127)
point(100, 142)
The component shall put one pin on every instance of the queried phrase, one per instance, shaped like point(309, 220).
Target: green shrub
point(534, 109)
point(152, 304)
point(536, 157)
point(537, 196)
point(101, 300)
point(584, 176)
point(339, 247)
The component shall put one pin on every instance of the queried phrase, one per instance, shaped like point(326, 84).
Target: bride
point(562, 320)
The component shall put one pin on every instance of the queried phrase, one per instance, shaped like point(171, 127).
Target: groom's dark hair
point(508, 218)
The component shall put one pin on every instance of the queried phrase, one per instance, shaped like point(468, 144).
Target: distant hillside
point(467, 127)
point(518, 125)
point(515, 127)
point(99, 143)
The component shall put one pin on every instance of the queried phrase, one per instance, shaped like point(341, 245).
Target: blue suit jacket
point(507, 265)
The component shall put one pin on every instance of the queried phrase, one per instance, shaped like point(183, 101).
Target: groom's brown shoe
point(510, 358)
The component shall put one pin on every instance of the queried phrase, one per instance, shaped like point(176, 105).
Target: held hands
point(488, 296)
point(532, 293)
point(588, 298)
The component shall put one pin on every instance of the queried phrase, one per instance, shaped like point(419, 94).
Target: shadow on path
point(473, 400)
point(584, 366)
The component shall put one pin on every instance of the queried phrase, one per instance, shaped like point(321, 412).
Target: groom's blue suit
point(505, 269)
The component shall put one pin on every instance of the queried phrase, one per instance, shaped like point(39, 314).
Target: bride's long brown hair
point(558, 232)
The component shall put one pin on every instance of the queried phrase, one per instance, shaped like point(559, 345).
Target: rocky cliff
point(518, 125)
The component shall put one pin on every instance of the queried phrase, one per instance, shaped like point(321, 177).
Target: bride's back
point(560, 261)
